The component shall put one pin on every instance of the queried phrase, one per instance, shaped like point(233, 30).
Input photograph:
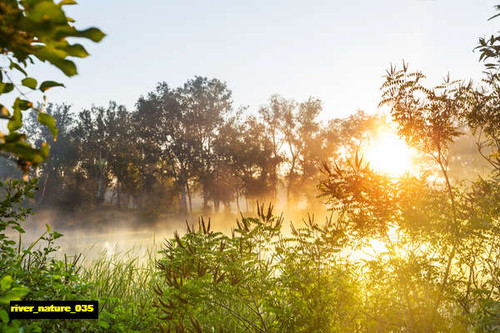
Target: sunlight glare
point(389, 154)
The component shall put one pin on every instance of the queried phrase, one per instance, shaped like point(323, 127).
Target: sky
point(337, 51)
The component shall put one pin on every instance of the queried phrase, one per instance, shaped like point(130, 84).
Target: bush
point(256, 280)
point(120, 284)
point(32, 272)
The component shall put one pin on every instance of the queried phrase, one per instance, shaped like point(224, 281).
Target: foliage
point(33, 272)
point(256, 279)
point(182, 125)
point(481, 112)
point(489, 49)
point(294, 133)
point(360, 195)
point(416, 253)
point(174, 146)
point(30, 31)
point(124, 287)
point(426, 118)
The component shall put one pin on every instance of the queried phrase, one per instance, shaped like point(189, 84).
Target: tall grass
point(123, 284)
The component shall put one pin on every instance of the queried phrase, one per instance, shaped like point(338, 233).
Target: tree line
point(178, 143)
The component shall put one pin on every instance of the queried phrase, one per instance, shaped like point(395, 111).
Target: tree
point(205, 105)
point(273, 118)
point(428, 119)
point(29, 30)
point(225, 184)
point(92, 135)
point(57, 169)
point(310, 147)
point(293, 130)
point(482, 106)
point(183, 124)
point(161, 117)
point(243, 148)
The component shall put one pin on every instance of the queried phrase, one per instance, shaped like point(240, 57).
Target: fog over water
point(100, 233)
point(116, 232)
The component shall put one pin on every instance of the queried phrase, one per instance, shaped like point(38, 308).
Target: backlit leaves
point(38, 29)
point(49, 121)
point(427, 118)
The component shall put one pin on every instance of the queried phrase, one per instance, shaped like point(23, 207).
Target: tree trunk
point(43, 190)
point(183, 199)
point(206, 209)
point(183, 184)
point(238, 202)
point(118, 194)
point(189, 198)
point(99, 189)
point(99, 186)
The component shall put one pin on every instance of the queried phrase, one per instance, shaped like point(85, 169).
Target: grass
point(123, 284)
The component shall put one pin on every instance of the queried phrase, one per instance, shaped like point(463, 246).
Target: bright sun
point(389, 154)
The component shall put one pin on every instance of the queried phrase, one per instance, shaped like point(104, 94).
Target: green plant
point(255, 280)
point(33, 30)
point(123, 284)
point(32, 272)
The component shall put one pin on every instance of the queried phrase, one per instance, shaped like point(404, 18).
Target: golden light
point(388, 153)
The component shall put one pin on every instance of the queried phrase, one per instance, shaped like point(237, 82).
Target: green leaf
point(6, 87)
point(29, 82)
point(4, 316)
point(47, 11)
point(68, 67)
point(103, 324)
point(56, 235)
point(46, 85)
point(44, 151)
point(19, 229)
point(25, 152)
point(22, 104)
point(15, 294)
point(6, 282)
point(16, 121)
point(14, 65)
point(14, 137)
point(76, 50)
point(67, 2)
point(57, 58)
point(93, 34)
point(49, 121)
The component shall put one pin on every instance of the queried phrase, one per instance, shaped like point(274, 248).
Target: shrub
point(255, 280)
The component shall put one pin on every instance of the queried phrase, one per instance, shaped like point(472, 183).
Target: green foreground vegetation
point(433, 275)
point(436, 267)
